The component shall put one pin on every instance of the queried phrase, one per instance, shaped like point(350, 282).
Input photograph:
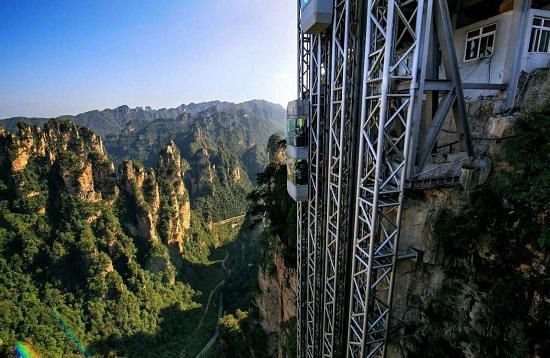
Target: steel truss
point(398, 38)
point(338, 160)
point(392, 32)
point(319, 56)
point(303, 88)
point(371, 132)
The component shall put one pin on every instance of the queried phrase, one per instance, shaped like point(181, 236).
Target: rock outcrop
point(72, 159)
point(75, 154)
point(203, 172)
point(162, 200)
point(476, 289)
point(277, 281)
point(177, 210)
point(277, 304)
point(275, 151)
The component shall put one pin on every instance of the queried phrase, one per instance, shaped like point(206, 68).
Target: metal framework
point(314, 219)
point(339, 136)
point(303, 87)
point(383, 147)
point(377, 105)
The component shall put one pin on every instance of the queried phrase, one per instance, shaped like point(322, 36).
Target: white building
point(497, 40)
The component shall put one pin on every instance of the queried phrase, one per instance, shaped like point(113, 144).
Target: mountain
point(84, 247)
point(221, 143)
point(118, 238)
point(110, 121)
point(223, 149)
point(121, 239)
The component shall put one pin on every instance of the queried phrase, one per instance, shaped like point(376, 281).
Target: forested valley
point(137, 243)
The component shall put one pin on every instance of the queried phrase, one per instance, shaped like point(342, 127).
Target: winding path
point(222, 282)
point(216, 333)
point(220, 310)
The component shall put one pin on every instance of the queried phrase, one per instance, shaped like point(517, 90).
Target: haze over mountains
point(114, 120)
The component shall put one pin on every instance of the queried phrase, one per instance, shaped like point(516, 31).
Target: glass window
point(297, 132)
point(480, 42)
point(473, 33)
point(540, 35)
point(297, 171)
point(490, 28)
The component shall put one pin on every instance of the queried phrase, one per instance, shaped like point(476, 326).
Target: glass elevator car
point(297, 129)
point(297, 149)
point(297, 178)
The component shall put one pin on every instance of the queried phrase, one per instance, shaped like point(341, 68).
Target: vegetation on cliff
point(271, 206)
point(270, 200)
point(497, 257)
point(108, 256)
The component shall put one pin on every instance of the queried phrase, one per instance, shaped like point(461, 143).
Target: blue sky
point(67, 57)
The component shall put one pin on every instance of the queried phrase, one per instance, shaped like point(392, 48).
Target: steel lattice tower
point(376, 106)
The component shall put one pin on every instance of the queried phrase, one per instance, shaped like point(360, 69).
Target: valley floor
point(211, 280)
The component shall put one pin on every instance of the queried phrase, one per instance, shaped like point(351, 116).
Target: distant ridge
point(115, 120)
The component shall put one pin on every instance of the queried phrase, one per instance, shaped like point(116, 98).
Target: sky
point(67, 57)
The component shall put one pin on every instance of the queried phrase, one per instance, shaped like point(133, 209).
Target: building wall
point(498, 67)
point(493, 69)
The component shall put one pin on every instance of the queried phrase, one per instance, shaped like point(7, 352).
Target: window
point(480, 42)
point(297, 130)
point(540, 35)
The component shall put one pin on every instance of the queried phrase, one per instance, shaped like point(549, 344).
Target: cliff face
point(275, 150)
point(164, 211)
point(471, 295)
point(170, 169)
point(421, 284)
point(479, 288)
point(203, 172)
point(277, 304)
point(74, 153)
point(132, 177)
point(276, 278)
point(72, 159)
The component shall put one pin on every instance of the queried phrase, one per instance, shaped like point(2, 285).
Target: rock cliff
point(162, 200)
point(478, 287)
point(275, 150)
point(74, 153)
point(67, 158)
point(277, 279)
point(277, 304)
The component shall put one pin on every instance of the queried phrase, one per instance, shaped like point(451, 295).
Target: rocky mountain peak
point(158, 193)
point(169, 165)
point(276, 150)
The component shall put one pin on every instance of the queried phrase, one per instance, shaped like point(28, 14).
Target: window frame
point(540, 30)
point(484, 36)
